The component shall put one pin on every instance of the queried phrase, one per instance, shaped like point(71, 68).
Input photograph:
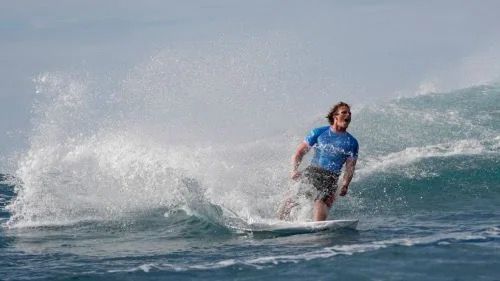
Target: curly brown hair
point(334, 110)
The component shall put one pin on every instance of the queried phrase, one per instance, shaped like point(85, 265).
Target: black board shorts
point(324, 181)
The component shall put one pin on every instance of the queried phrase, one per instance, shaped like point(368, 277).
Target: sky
point(363, 51)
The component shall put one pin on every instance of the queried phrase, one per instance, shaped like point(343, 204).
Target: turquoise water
point(113, 206)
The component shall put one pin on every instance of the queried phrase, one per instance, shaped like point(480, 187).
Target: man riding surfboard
point(333, 148)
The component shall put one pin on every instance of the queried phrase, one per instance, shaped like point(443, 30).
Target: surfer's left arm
point(350, 165)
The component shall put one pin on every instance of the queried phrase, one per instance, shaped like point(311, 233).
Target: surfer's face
point(343, 117)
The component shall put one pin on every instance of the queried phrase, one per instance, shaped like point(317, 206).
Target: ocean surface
point(98, 195)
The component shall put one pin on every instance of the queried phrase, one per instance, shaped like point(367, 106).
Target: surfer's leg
point(320, 212)
point(325, 183)
point(322, 207)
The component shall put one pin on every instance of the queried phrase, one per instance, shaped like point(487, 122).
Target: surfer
point(333, 147)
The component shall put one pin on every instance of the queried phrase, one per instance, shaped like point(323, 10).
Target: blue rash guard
point(331, 149)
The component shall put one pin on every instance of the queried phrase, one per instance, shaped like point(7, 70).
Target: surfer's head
point(340, 115)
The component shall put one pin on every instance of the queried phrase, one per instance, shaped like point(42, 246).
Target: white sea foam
point(414, 154)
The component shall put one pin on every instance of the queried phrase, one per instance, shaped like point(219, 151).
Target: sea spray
point(177, 121)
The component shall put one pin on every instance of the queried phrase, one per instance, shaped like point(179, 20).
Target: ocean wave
point(466, 114)
point(414, 154)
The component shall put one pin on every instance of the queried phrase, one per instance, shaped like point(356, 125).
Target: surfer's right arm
point(302, 149)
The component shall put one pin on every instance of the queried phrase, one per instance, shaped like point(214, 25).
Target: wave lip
point(414, 154)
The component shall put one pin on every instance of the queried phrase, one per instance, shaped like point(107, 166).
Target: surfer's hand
point(295, 175)
point(343, 191)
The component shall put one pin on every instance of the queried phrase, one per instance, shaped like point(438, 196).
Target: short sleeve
point(354, 149)
point(312, 137)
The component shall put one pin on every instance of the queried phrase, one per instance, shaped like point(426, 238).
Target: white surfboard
point(283, 228)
